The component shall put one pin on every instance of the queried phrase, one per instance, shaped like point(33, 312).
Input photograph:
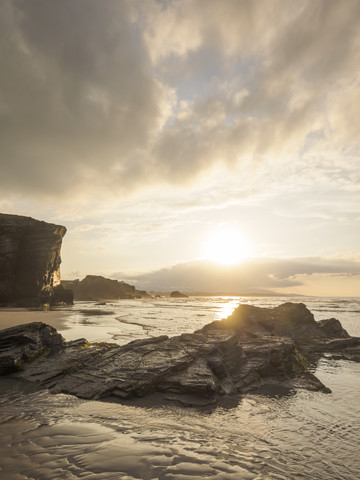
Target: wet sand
point(10, 317)
point(62, 437)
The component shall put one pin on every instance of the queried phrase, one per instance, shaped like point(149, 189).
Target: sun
point(227, 246)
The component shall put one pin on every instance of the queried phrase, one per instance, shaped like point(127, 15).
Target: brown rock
point(236, 355)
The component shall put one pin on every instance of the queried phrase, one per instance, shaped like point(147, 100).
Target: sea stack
point(177, 294)
point(30, 262)
point(98, 288)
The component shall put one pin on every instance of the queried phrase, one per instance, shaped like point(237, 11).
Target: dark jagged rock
point(253, 348)
point(177, 294)
point(96, 287)
point(24, 343)
point(30, 262)
point(332, 328)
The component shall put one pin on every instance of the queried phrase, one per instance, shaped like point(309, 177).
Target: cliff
point(251, 350)
point(30, 262)
point(96, 287)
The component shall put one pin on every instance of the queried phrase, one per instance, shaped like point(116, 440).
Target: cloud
point(106, 98)
point(182, 28)
point(254, 275)
point(279, 71)
point(78, 95)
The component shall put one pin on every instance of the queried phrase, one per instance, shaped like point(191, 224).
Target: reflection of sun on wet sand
point(92, 324)
point(9, 317)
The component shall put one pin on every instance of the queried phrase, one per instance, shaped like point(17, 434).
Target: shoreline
point(12, 316)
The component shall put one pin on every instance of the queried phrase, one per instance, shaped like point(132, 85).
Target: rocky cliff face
point(30, 261)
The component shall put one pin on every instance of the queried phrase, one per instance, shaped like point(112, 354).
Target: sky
point(165, 133)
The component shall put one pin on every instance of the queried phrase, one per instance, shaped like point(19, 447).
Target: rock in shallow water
point(251, 348)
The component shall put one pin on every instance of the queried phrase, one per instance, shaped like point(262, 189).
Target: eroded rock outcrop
point(252, 348)
point(96, 287)
point(291, 320)
point(30, 262)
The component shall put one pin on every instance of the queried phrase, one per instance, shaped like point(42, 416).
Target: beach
point(270, 436)
point(9, 317)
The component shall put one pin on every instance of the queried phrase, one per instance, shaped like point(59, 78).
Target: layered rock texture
point(30, 262)
point(96, 287)
point(21, 344)
point(252, 349)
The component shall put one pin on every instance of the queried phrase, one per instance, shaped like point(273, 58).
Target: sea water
point(303, 435)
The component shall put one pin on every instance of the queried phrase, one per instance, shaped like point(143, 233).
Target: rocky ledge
point(252, 349)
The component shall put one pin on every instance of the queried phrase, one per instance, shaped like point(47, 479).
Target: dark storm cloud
point(77, 94)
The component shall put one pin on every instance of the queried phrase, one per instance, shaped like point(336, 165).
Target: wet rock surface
point(251, 349)
point(24, 343)
point(30, 262)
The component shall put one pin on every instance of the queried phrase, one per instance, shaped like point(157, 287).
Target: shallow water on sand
point(306, 435)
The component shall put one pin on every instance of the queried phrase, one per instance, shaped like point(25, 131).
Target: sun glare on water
point(227, 246)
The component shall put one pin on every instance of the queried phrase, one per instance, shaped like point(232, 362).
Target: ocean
point(302, 435)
